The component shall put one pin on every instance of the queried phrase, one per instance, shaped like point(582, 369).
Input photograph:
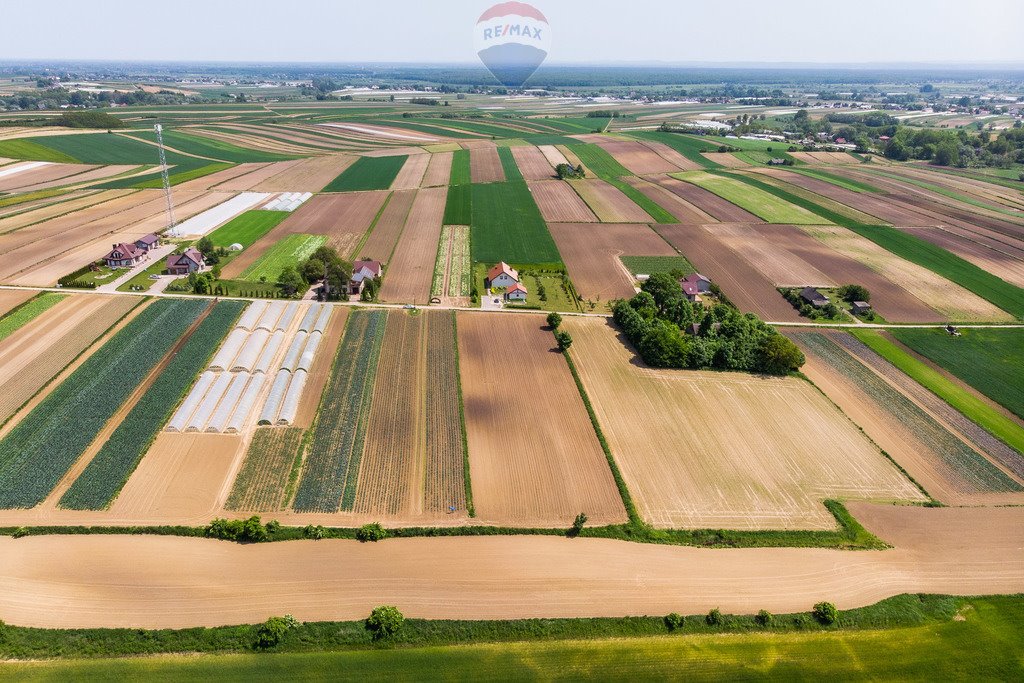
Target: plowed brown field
point(9, 298)
point(248, 181)
point(309, 175)
point(769, 255)
point(534, 458)
point(726, 450)
point(438, 170)
point(532, 163)
point(708, 202)
point(381, 242)
point(343, 217)
point(411, 174)
point(591, 253)
point(995, 261)
point(636, 157)
point(485, 164)
point(19, 182)
point(671, 156)
point(559, 203)
point(684, 211)
point(412, 266)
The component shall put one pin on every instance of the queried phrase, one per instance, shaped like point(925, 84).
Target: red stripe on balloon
point(518, 8)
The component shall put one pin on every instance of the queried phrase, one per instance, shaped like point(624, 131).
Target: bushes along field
point(368, 173)
point(26, 313)
point(331, 468)
point(263, 480)
point(507, 226)
point(36, 454)
point(990, 360)
point(997, 424)
point(291, 250)
point(246, 228)
point(109, 470)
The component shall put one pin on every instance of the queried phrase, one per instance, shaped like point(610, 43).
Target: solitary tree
point(384, 622)
point(554, 320)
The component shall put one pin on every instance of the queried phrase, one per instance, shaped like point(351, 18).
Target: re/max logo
point(512, 30)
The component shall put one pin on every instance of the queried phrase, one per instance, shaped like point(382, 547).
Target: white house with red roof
point(361, 272)
point(517, 292)
point(124, 255)
point(502, 275)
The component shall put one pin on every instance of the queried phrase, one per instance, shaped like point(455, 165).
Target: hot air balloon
point(512, 39)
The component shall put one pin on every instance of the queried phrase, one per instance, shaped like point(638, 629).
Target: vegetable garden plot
point(331, 466)
point(261, 483)
point(272, 344)
point(110, 468)
point(40, 449)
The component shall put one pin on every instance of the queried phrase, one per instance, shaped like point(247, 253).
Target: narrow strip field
point(290, 251)
point(410, 272)
point(108, 471)
point(762, 204)
point(446, 483)
point(726, 450)
point(330, 470)
point(559, 203)
point(452, 271)
point(40, 449)
point(485, 164)
point(368, 173)
point(533, 455)
point(261, 483)
point(25, 310)
point(532, 163)
point(246, 228)
point(380, 243)
point(609, 203)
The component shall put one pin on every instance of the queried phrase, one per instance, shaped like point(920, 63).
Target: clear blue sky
point(603, 31)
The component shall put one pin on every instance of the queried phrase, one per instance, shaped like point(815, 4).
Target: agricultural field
point(507, 226)
point(246, 228)
point(342, 218)
point(534, 458)
point(727, 450)
point(762, 204)
point(12, 321)
point(609, 203)
point(39, 450)
point(649, 265)
point(990, 360)
point(598, 162)
point(452, 270)
point(410, 272)
point(368, 173)
point(289, 251)
point(262, 483)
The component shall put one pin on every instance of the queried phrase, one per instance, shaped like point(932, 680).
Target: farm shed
point(813, 297)
point(860, 307)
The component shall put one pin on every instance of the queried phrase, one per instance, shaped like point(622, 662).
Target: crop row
point(38, 452)
point(27, 312)
point(263, 479)
point(440, 263)
point(968, 466)
point(331, 467)
point(445, 484)
point(459, 266)
point(109, 470)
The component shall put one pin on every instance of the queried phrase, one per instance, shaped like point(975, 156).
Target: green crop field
point(599, 162)
point(1006, 296)
point(263, 480)
point(649, 265)
point(990, 360)
point(765, 205)
point(13, 320)
point(419, 127)
point(960, 639)
point(368, 173)
point(838, 181)
point(108, 472)
point(653, 209)
point(33, 151)
point(508, 164)
point(288, 251)
point(247, 228)
point(972, 467)
point(987, 417)
point(100, 148)
point(210, 148)
point(458, 206)
point(36, 454)
point(507, 226)
point(460, 174)
point(330, 470)
point(689, 147)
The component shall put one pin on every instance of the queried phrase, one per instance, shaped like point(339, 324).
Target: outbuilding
point(517, 292)
point(860, 307)
point(813, 297)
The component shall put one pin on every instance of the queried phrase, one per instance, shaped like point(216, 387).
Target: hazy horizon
point(596, 33)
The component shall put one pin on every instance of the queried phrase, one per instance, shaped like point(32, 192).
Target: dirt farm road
point(156, 582)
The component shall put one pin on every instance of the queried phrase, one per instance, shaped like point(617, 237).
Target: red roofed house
point(502, 275)
point(147, 242)
point(124, 255)
point(362, 271)
point(702, 283)
point(691, 291)
point(516, 292)
point(190, 261)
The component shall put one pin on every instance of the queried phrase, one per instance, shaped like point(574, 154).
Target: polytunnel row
point(287, 201)
point(227, 392)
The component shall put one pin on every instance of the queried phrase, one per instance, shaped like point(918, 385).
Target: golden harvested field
point(609, 203)
point(37, 352)
point(248, 181)
point(9, 298)
point(769, 255)
point(948, 298)
point(553, 155)
point(684, 212)
point(532, 163)
point(412, 267)
point(636, 157)
point(719, 450)
point(35, 175)
point(485, 164)
point(559, 203)
point(309, 175)
point(591, 252)
point(727, 160)
point(438, 170)
point(381, 242)
point(533, 455)
point(67, 204)
point(824, 157)
point(411, 174)
point(83, 177)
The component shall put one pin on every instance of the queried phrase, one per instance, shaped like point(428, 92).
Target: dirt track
point(151, 581)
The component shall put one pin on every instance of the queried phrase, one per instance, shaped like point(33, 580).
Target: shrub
point(826, 613)
point(249, 530)
point(764, 618)
point(577, 525)
point(674, 621)
point(384, 622)
point(714, 617)
point(20, 532)
point(315, 532)
point(854, 293)
point(371, 532)
point(554, 320)
point(564, 340)
point(800, 621)
point(270, 632)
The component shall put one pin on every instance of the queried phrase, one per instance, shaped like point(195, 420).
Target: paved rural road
point(154, 581)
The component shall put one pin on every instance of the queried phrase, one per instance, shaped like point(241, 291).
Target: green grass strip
point(508, 164)
point(838, 181)
point(974, 408)
point(654, 209)
point(470, 509)
point(599, 162)
point(247, 227)
point(16, 199)
point(460, 174)
point(458, 208)
point(767, 205)
point(21, 315)
point(108, 472)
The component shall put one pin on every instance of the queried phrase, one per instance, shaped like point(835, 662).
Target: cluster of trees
point(54, 98)
point(829, 311)
point(323, 264)
point(726, 339)
point(567, 171)
point(958, 147)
